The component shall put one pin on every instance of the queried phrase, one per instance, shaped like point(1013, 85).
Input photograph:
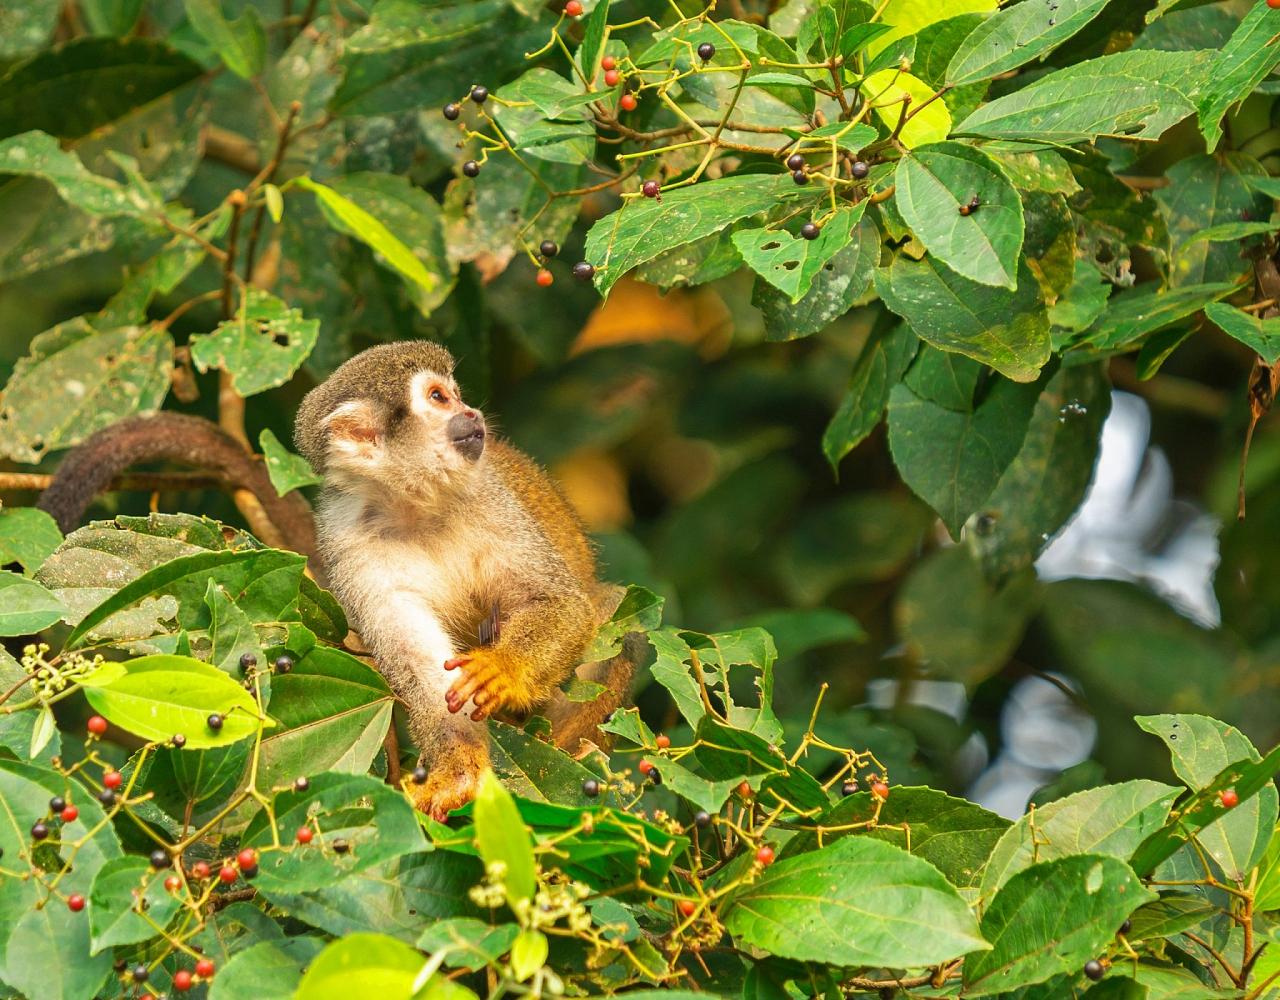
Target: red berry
point(69, 814)
point(573, 8)
point(545, 277)
point(645, 766)
point(744, 790)
point(627, 102)
point(182, 980)
point(651, 189)
point(611, 77)
point(204, 968)
point(173, 883)
point(880, 790)
point(200, 870)
point(96, 725)
point(687, 907)
point(247, 858)
point(765, 855)
point(1231, 798)
point(304, 835)
point(112, 779)
point(1274, 4)
point(75, 902)
point(228, 874)
point(608, 63)
point(663, 741)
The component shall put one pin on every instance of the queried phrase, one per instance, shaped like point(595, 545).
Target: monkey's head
point(392, 416)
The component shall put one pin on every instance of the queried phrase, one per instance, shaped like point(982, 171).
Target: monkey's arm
point(173, 437)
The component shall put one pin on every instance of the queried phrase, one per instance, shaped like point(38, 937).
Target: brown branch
point(268, 175)
point(224, 899)
point(232, 149)
point(136, 482)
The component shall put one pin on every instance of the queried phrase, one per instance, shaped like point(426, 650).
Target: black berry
point(702, 819)
point(39, 831)
point(1094, 970)
point(848, 788)
point(160, 859)
point(583, 271)
point(706, 51)
point(800, 177)
point(451, 111)
point(57, 804)
point(284, 663)
point(591, 788)
point(634, 83)
point(471, 168)
point(811, 230)
point(549, 248)
point(655, 777)
point(419, 775)
point(250, 872)
point(1126, 927)
point(107, 797)
point(795, 162)
point(860, 169)
point(301, 784)
point(248, 661)
point(178, 740)
point(140, 974)
point(341, 847)
point(479, 94)
point(650, 189)
point(214, 722)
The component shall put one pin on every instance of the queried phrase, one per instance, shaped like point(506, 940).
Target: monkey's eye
point(437, 395)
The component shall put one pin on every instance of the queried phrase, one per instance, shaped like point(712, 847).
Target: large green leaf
point(1008, 330)
point(26, 25)
point(791, 263)
point(1015, 36)
point(123, 889)
point(362, 964)
point(1050, 919)
point(268, 970)
point(105, 375)
point(953, 835)
point(953, 460)
point(1238, 67)
point(162, 695)
point(260, 347)
point(27, 536)
point(936, 185)
point(883, 361)
point(1201, 747)
point(645, 227)
point(857, 902)
point(1112, 820)
point(25, 606)
point(38, 154)
point(502, 838)
point(241, 44)
point(535, 769)
point(1134, 314)
point(1256, 333)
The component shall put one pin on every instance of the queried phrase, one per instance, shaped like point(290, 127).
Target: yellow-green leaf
point(886, 90)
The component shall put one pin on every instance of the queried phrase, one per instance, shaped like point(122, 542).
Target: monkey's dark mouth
point(470, 444)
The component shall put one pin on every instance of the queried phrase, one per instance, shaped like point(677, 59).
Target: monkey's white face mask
point(430, 441)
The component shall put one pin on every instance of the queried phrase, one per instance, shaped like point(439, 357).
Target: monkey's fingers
point(473, 681)
point(456, 662)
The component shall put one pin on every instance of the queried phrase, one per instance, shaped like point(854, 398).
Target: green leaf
point(930, 121)
point(883, 361)
point(1015, 36)
point(1112, 820)
point(261, 347)
point(268, 970)
point(106, 375)
point(163, 694)
point(468, 943)
point(1130, 94)
point(1201, 747)
point(1045, 484)
point(502, 838)
point(364, 964)
point(288, 471)
point(951, 834)
point(644, 227)
point(640, 610)
point(25, 606)
point(376, 821)
point(1261, 335)
point(1239, 66)
point(535, 769)
point(26, 25)
point(850, 138)
point(27, 536)
point(1167, 916)
point(593, 32)
point(857, 902)
point(528, 954)
point(1008, 330)
point(1134, 314)
point(952, 460)
point(241, 44)
point(38, 154)
point(121, 887)
point(111, 17)
point(790, 263)
point(935, 183)
point(1050, 919)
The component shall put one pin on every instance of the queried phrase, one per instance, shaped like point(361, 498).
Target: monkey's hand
point(493, 679)
point(451, 782)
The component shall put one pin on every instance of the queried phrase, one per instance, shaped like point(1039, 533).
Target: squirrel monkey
point(460, 564)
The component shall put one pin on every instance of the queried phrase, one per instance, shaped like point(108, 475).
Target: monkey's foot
point(450, 785)
point(491, 679)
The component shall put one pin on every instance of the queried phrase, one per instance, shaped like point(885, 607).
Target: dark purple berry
point(140, 974)
point(451, 111)
point(860, 169)
point(419, 775)
point(247, 662)
point(583, 271)
point(1094, 970)
point(249, 872)
point(848, 788)
point(160, 859)
point(479, 94)
point(1126, 927)
point(795, 162)
point(811, 230)
point(301, 784)
point(650, 189)
point(800, 177)
point(706, 51)
point(284, 663)
point(57, 804)
point(341, 847)
point(214, 722)
point(178, 740)
point(591, 788)
point(471, 168)
point(655, 777)
point(702, 819)
point(107, 797)
point(39, 831)
point(549, 248)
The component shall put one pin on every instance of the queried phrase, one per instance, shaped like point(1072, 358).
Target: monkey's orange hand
point(490, 679)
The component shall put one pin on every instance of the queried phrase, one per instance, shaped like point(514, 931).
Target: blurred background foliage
point(690, 440)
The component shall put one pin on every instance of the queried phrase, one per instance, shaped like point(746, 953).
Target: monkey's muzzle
point(466, 431)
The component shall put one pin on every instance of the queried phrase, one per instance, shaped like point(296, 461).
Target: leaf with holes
point(790, 263)
point(261, 347)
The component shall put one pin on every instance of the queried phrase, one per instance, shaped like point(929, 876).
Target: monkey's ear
point(355, 431)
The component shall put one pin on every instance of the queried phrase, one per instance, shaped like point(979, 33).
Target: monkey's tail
point(88, 469)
